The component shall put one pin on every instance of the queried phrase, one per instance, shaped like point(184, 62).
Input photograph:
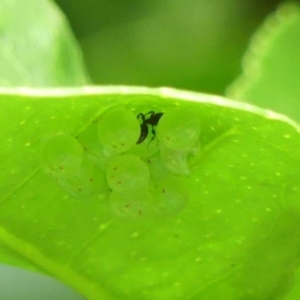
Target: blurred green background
point(192, 44)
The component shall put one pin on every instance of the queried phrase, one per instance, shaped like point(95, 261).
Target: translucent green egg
point(145, 149)
point(170, 196)
point(127, 173)
point(92, 147)
point(61, 155)
point(118, 130)
point(179, 128)
point(175, 160)
point(158, 171)
point(131, 206)
point(85, 182)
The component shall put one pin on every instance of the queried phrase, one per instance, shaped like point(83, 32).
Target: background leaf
point(37, 47)
point(272, 65)
point(188, 44)
point(237, 237)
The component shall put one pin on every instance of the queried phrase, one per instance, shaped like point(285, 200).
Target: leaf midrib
point(90, 289)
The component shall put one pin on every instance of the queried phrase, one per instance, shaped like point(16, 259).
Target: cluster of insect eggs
point(139, 175)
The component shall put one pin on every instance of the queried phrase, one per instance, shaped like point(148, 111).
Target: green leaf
point(272, 65)
point(141, 46)
point(236, 238)
point(37, 47)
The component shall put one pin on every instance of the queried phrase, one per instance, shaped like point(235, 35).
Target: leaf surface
point(236, 238)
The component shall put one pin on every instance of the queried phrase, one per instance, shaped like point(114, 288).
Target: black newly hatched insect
point(152, 120)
